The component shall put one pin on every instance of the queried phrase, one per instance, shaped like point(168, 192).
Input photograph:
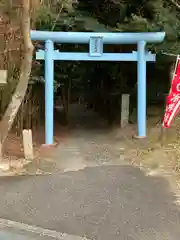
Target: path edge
point(4, 223)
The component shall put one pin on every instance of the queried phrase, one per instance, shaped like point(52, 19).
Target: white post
point(28, 145)
point(3, 77)
point(124, 110)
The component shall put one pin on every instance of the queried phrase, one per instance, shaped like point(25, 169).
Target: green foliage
point(103, 16)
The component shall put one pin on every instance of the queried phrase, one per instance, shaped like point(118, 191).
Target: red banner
point(173, 99)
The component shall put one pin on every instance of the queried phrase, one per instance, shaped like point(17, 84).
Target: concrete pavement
point(107, 202)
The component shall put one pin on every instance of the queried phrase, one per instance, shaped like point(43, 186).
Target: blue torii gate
point(96, 42)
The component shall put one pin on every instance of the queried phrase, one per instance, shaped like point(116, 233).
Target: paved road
point(103, 201)
point(110, 202)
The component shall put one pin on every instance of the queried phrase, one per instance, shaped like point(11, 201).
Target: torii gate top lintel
point(96, 42)
point(108, 38)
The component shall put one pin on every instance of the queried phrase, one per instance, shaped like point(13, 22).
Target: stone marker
point(28, 145)
point(124, 110)
point(3, 77)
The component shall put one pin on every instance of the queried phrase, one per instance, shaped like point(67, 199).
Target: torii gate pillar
point(96, 42)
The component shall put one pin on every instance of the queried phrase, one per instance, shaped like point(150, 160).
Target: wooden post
point(28, 145)
point(124, 110)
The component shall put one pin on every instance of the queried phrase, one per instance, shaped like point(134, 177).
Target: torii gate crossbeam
point(96, 42)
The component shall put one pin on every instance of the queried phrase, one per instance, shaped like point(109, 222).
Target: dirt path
point(88, 149)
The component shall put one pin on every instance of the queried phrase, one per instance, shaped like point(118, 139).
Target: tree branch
point(58, 15)
point(175, 4)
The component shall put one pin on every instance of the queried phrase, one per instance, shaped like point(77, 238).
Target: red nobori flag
point(173, 99)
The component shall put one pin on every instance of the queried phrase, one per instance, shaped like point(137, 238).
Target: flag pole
point(177, 59)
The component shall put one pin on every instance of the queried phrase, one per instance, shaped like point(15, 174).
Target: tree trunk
point(25, 71)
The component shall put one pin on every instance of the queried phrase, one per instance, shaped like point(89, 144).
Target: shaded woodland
point(97, 85)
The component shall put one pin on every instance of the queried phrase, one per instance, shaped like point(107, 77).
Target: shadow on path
point(110, 202)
